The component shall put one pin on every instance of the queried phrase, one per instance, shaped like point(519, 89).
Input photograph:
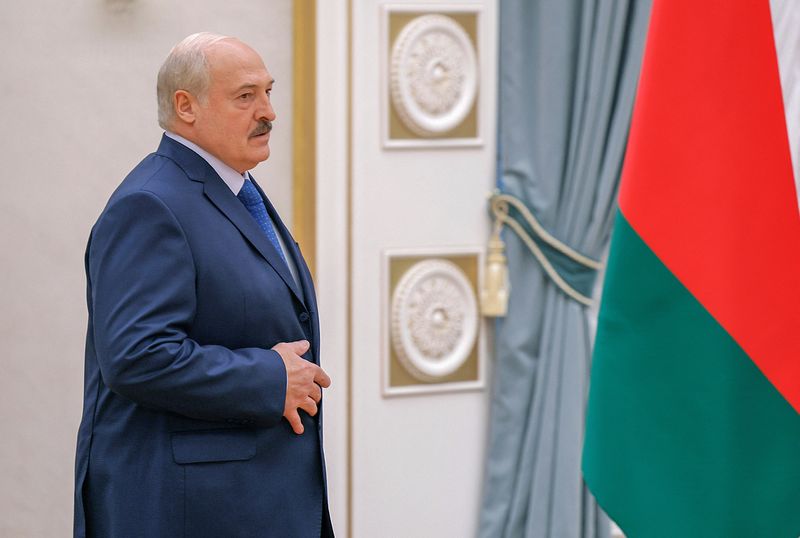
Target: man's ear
point(185, 106)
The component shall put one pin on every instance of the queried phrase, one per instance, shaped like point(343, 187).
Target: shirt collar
point(233, 179)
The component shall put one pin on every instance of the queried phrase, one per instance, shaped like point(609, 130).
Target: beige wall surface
point(77, 102)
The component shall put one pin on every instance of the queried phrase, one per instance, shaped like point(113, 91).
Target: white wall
point(417, 460)
point(77, 102)
point(786, 25)
point(332, 230)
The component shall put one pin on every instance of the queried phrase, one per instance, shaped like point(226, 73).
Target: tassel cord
point(500, 208)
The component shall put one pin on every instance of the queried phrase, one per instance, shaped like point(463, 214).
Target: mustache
point(264, 126)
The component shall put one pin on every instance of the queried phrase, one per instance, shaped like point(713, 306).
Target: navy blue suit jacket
point(182, 432)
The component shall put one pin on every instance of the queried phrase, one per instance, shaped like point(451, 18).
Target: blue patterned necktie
point(251, 199)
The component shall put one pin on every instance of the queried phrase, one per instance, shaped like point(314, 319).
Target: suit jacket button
point(304, 317)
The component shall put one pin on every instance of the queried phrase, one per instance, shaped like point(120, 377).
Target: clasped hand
point(304, 384)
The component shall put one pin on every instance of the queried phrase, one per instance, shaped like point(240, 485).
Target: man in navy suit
point(201, 413)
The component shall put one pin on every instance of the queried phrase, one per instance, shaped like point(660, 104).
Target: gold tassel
point(496, 287)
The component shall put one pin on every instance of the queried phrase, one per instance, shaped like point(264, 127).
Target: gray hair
point(185, 68)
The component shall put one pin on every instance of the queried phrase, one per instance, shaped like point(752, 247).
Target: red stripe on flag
point(707, 181)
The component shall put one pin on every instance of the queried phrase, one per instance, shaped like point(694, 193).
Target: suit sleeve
point(142, 280)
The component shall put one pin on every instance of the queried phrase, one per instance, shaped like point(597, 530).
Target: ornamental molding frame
point(433, 74)
point(432, 334)
point(434, 319)
point(408, 100)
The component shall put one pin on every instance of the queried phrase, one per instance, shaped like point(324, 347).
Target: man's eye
point(245, 96)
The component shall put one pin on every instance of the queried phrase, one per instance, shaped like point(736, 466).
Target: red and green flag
point(693, 426)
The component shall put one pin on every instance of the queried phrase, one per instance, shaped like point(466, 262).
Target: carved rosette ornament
point(434, 319)
point(434, 75)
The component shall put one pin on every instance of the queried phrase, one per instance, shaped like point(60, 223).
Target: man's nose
point(265, 110)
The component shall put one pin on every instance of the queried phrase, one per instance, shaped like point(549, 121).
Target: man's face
point(234, 122)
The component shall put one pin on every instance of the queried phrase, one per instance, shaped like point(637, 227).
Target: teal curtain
point(568, 74)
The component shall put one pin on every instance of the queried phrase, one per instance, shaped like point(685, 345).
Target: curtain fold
point(568, 73)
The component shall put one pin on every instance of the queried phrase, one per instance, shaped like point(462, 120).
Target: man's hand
point(304, 382)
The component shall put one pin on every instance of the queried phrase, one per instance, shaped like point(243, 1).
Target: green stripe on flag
point(685, 437)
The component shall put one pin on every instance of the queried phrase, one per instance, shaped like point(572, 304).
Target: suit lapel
point(303, 273)
point(221, 196)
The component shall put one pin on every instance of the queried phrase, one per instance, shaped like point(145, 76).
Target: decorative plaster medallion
point(434, 319)
point(434, 75)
